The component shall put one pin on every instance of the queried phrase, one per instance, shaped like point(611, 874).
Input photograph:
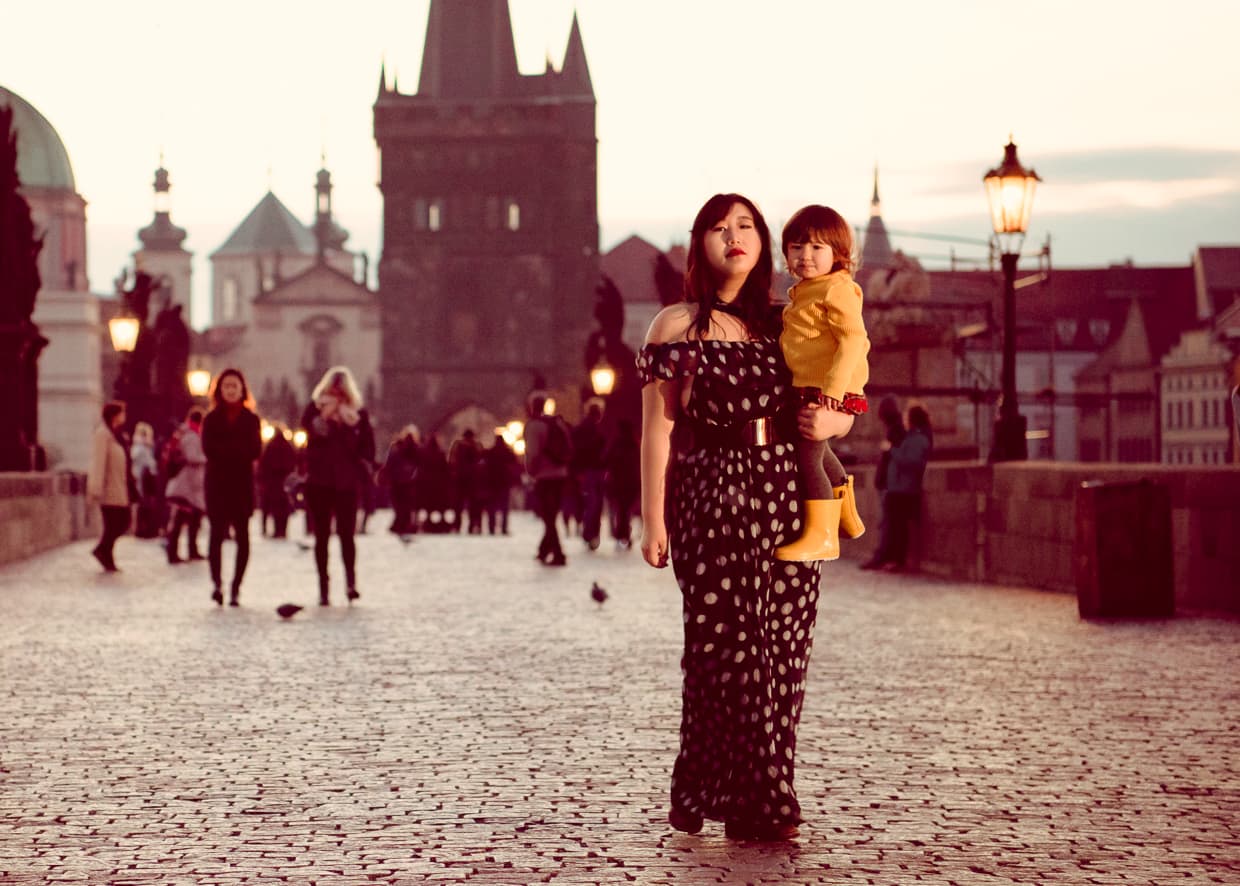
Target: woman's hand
point(328, 405)
point(654, 544)
point(820, 423)
point(348, 415)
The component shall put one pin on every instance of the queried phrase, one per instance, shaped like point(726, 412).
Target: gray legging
point(820, 470)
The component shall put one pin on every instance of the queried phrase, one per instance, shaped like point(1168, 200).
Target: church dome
point(42, 161)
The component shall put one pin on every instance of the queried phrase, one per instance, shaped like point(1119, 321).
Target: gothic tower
point(490, 221)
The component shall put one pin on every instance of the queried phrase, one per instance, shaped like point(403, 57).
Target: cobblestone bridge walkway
point(476, 718)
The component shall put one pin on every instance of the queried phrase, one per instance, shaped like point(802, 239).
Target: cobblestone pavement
point(477, 718)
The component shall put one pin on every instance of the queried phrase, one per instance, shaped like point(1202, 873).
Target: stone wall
point(41, 511)
point(1015, 524)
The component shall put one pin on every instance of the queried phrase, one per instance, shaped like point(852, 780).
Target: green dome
point(42, 161)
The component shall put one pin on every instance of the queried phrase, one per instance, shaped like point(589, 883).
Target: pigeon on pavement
point(288, 610)
point(598, 594)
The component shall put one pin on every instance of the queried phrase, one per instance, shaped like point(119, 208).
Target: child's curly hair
point(822, 224)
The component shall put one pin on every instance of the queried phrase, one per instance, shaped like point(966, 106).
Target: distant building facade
point(490, 222)
point(66, 312)
point(289, 301)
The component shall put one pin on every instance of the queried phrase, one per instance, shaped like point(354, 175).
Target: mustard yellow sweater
point(824, 339)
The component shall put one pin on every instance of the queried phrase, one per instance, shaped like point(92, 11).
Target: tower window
point(228, 299)
point(434, 215)
point(513, 213)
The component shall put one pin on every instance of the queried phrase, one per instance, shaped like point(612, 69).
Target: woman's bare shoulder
point(670, 324)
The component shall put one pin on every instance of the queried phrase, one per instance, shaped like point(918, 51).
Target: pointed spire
point(469, 51)
point(383, 78)
point(575, 73)
point(876, 252)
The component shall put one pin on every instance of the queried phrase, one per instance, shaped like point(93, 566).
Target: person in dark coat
point(278, 460)
point(232, 441)
point(501, 471)
point(340, 441)
point(400, 472)
point(465, 466)
point(434, 487)
point(587, 471)
point(903, 466)
point(623, 481)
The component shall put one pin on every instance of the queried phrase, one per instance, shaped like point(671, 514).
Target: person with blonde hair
point(144, 468)
point(339, 443)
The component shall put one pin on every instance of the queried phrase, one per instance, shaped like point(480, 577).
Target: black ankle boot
point(233, 596)
point(218, 596)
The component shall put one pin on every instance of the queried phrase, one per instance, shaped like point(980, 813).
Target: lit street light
point(1009, 189)
point(602, 378)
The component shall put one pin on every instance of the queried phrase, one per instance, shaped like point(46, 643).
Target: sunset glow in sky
point(1126, 109)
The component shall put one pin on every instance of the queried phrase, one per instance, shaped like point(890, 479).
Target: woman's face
point(231, 390)
point(733, 244)
point(118, 420)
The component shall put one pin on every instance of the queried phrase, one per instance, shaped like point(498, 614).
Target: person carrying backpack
point(548, 452)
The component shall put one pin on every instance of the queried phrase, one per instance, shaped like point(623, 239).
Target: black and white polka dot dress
point(749, 618)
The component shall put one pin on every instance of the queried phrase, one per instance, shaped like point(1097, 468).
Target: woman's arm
point(658, 418)
point(98, 466)
point(660, 400)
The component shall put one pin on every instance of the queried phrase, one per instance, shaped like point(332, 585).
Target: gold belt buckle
point(758, 432)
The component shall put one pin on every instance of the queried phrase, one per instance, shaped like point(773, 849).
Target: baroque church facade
point(65, 311)
point(490, 223)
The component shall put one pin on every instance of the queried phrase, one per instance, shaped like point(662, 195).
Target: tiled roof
point(269, 228)
point(1086, 306)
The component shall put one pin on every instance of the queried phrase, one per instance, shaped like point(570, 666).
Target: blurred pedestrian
point(400, 473)
point(186, 469)
point(623, 481)
point(548, 453)
point(434, 489)
point(145, 471)
point(340, 439)
point(232, 441)
point(587, 471)
point(905, 466)
point(465, 465)
point(500, 471)
point(109, 482)
point(278, 460)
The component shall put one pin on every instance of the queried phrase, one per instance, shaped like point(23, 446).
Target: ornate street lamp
point(1009, 188)
point(602, 378)
point(123, 330)
point(199, 382)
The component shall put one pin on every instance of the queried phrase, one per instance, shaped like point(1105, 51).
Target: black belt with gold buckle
point(756, 432)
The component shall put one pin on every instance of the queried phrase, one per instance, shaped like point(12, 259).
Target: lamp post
point(1009, 189)
point(199, 382)
point(602, 378)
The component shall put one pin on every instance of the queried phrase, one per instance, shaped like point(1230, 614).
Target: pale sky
point(1126, 108)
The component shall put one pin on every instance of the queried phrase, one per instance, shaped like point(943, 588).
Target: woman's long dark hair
point(217, 397)
point(753, 305)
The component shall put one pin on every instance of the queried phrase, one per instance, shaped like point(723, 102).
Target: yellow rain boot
point(850, 520)
point(820, 538)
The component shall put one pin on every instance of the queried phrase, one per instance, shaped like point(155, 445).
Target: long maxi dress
point(748, 618)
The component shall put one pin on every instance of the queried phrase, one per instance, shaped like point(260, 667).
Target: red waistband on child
point(852, 404)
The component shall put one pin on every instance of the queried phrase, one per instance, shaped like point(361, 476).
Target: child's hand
point(818, 423)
